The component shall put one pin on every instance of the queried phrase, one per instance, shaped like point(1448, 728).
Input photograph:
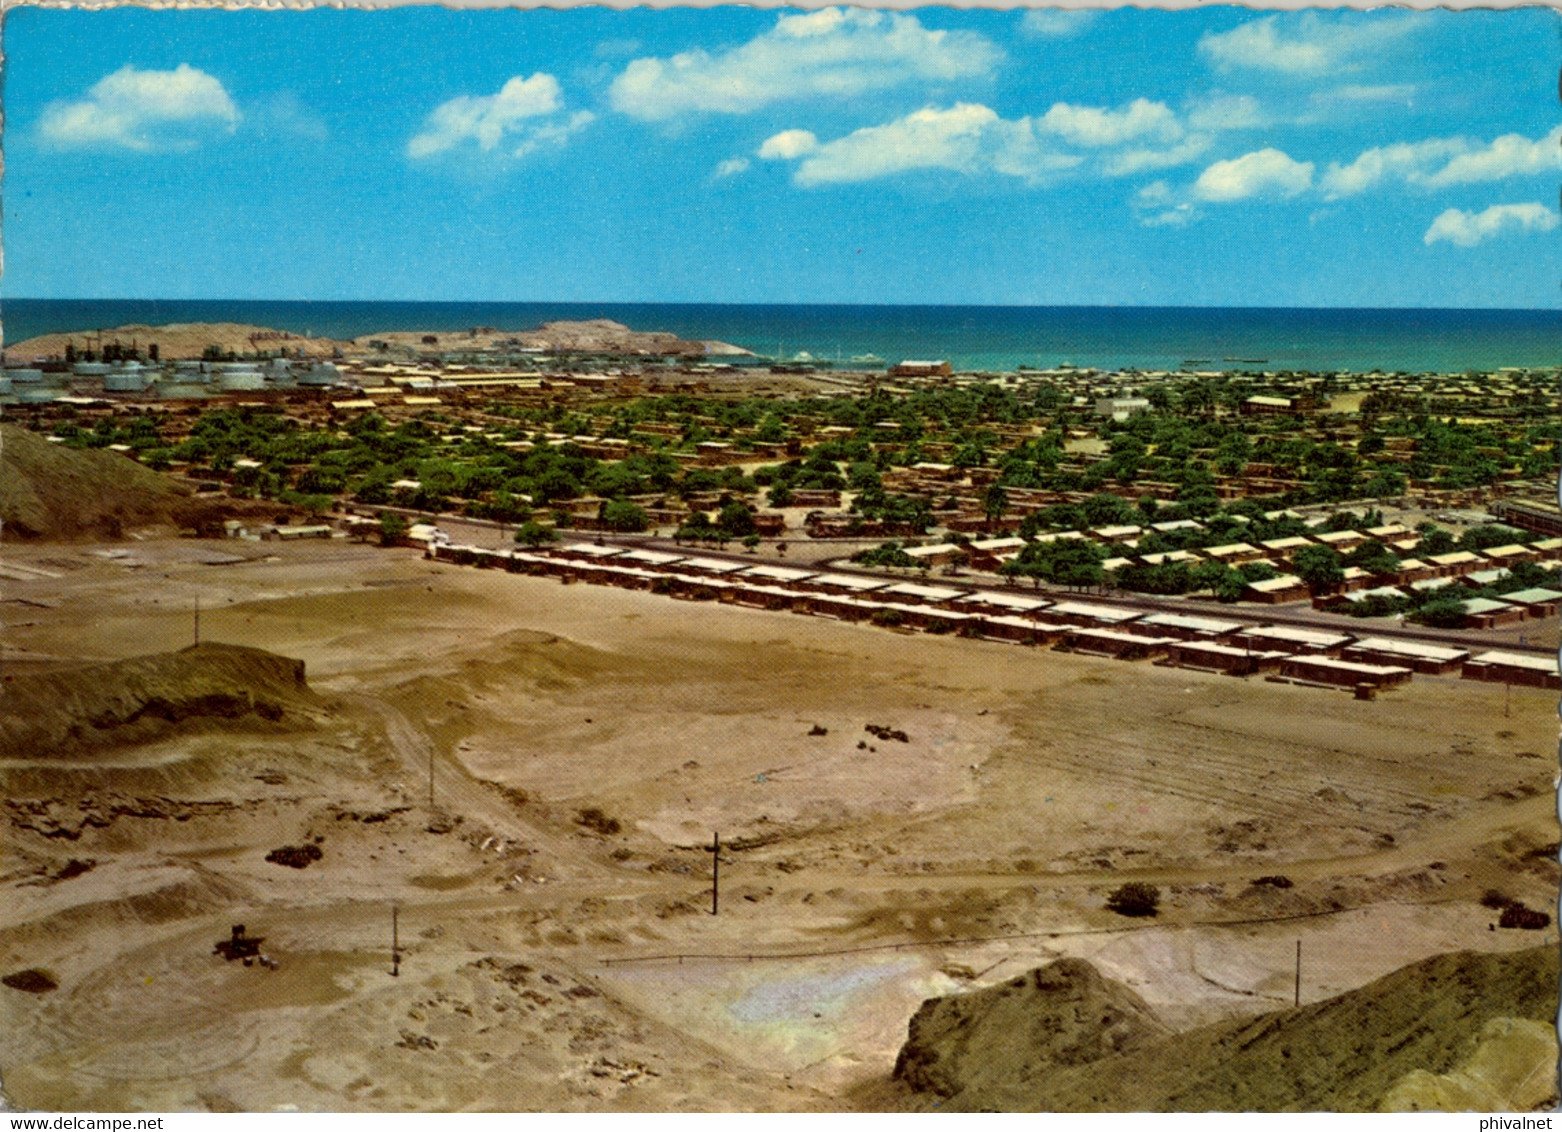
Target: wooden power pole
point(715, 873)
point(197, 618)
point(395, 944)
point(1297, 1001)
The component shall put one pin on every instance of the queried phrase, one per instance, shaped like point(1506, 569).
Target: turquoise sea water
point(996, 338)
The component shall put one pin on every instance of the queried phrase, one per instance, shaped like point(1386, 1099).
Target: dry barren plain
point(531, 774)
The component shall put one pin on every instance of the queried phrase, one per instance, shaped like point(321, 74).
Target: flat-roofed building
point(656, 559)
point(1431, 660)
point(1537, 601)
point(910, 592)
point(780, 575)
point(1343, 673)
point(1487, 613)
point(1213, 656)
point(1341, 541)
point(980, 601)
point(589, 550)
point(1510, 554)
point(1185, 627)
point(1110, 642)
point(940, 554)
point(1026, 630)
point(1284, 549)
point(1277, 590)
point(1455, 562)
point(1514, 668)
point(1083, 613)
point(1290, 639)
point(1233, 553)
point(840, 583)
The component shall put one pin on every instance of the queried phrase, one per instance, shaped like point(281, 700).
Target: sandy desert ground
point(585, 743)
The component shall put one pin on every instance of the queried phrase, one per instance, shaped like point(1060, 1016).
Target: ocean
point(980, 338)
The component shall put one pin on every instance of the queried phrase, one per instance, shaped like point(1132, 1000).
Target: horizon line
point(757, 303)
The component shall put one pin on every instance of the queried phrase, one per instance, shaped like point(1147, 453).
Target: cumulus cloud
point(834, 52)
point(1263, 173)
point(788, 145)
point(1307, 45)
point(143, 110)
point(1131, 161)
point(731, 167)
point(525, 114)
point(1405, 160)
point(1512, 155)
point(1466, 229)
point(967, 138)
point(1093, 127)
point(1056, 23)
point(1440, 162)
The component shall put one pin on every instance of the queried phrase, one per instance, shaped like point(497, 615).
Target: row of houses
point(1184, 640)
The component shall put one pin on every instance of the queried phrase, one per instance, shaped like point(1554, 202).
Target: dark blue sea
point(991, 338)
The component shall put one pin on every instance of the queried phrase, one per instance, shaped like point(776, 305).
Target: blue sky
point(1212, 157)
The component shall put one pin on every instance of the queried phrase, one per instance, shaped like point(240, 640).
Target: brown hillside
point(1347, 1053)
point(180, 340)
point(71, 712)
point(50, 491)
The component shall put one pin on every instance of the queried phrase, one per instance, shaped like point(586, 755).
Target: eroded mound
point(73, 711)
point(1032, 1049)
point(1062, 1014)
point(50, 491)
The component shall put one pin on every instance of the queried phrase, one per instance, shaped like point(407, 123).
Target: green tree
point(1319, 566)
point(393, 528)
point(623, 515)
point(534, 534)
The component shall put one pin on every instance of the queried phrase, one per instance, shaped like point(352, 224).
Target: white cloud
point(1158, 205)
point(1131, 161)
point(1512, 155)
point(1405, 160)
point(833, 52)
point(966, 138)
point(523, 115)
point(1304, 46)
point(1439, 162)
point(1265, 172)
point(1466, 229)
point(1093, 127)
point(731, 167)
point(143, 110)
point(788, 145)
point(1056, 23)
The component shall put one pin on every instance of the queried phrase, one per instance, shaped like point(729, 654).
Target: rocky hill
point(1463, 1030)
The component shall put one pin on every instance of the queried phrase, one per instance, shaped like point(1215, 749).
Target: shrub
point(1136, 898)
point(1516, 915)
point(888, 618)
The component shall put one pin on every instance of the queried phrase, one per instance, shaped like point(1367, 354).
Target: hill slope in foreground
point(1457, 1031)
point(49, 491)
point(79, 709)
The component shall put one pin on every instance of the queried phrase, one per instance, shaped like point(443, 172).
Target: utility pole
point(715, 873)
point(431, 780)
point(1297, 1001)
point(197, 618)
point(395, 944)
